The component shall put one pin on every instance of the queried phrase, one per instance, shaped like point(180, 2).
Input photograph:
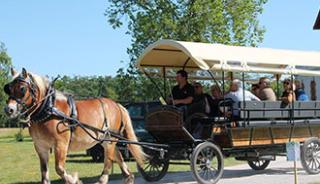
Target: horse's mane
point(43, 85)
point(41, 82)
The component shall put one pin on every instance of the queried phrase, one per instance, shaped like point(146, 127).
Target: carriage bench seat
point(267, 112)
point(165, 124)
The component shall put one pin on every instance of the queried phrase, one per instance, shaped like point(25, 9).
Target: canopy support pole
point(244, 97)
point(223, 93)
point(154, 83)
point(164, 80)
point(185, 63)
point(278, 90)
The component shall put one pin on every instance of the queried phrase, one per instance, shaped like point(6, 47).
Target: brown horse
point(29, 98)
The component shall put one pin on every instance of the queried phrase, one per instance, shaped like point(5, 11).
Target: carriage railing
point(290, 118)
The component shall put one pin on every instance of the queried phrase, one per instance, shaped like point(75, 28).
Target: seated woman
point(216, 96)
point(299, 92)
point(288, 95)
point(199, 108)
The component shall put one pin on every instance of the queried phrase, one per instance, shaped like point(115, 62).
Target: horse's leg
point(109, 149)
point(61, 150)
point(128, 176)
point(43, 154)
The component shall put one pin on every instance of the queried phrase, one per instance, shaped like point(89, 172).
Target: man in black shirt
point(183, 92)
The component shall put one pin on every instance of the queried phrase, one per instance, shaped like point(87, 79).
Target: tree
point(5, 65)
point(211, 21)
point(85, 87)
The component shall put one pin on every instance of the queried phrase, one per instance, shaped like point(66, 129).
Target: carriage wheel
point(310, 155)
point(207, 163)
point(154, 168)
point(97, 153)
point(259, 164)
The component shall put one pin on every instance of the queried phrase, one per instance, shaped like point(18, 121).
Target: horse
point(30, 99)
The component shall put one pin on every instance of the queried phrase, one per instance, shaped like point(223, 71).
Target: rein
point(72, 123)
point(44, 108)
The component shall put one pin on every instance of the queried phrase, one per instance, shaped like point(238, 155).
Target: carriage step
point(266, 157)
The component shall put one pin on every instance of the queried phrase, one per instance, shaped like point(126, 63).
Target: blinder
point(7, 89)
point(30, 85)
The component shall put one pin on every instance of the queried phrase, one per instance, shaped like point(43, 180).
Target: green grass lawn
point(20, 164)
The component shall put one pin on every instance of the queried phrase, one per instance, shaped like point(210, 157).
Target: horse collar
point(45, 110)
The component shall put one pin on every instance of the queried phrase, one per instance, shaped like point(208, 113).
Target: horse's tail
point(134, 149)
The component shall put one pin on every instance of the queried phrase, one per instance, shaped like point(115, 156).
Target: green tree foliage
point(232, 22)
point(220, 21)
point(85, 87)
point(5, 65)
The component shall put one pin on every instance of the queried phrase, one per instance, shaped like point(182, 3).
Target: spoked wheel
point(310, 155)
point(97, 153)
point(207, 163)
point(259, 164)
point(154, 168)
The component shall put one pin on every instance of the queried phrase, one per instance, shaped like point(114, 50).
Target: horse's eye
point(23, 90)
point(7, 89)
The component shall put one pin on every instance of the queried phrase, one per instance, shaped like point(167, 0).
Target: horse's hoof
point(129, 179)
point(75, 179)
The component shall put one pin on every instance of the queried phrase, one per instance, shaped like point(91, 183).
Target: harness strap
point(105, 119)
point(104, 112)
point(44, 112)
point(73, 108)
point(85, 127)
point(121, 121)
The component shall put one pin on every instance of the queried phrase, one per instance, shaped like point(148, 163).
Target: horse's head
point(23, 93)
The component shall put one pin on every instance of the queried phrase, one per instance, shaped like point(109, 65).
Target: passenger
point(288, 95)
point(216, 92)
point(236, 92)
point(200, 108)
point(255, 89)
point(266, 93)
point(216, 98)
point(299, 92)
point(201, 99)
point(183, 92)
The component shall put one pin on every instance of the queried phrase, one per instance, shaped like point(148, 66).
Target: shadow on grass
point(81, 161)
point(85, 180)
point(77, 155)
point(13, 140)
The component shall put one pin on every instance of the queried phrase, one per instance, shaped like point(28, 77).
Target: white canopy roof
point(219, 57)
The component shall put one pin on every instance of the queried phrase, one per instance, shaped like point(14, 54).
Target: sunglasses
point(287, 83)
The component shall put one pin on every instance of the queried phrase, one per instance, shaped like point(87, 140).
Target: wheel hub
point(208, 163)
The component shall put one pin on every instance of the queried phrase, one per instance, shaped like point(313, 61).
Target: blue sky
point(73, 37)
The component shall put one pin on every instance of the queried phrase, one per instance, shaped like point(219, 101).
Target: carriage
point(257, 135)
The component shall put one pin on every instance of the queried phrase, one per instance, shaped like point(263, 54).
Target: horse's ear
point(24, 73)
point(13, 71)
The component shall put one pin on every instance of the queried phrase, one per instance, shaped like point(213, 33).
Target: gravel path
point(278, 172)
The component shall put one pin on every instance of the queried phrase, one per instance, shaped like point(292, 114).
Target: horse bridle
point(33, 88)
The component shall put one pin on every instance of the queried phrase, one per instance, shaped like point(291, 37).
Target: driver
point(183, 92)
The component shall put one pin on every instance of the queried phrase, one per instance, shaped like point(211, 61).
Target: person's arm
point(291, 97)
point(288, 99)
point(253, 97)
point(187, 100)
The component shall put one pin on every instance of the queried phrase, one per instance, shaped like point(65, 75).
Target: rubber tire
point(219, 156)
point(159, 176)
point(97, 153)
point(259, 168)
point(303, 150)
